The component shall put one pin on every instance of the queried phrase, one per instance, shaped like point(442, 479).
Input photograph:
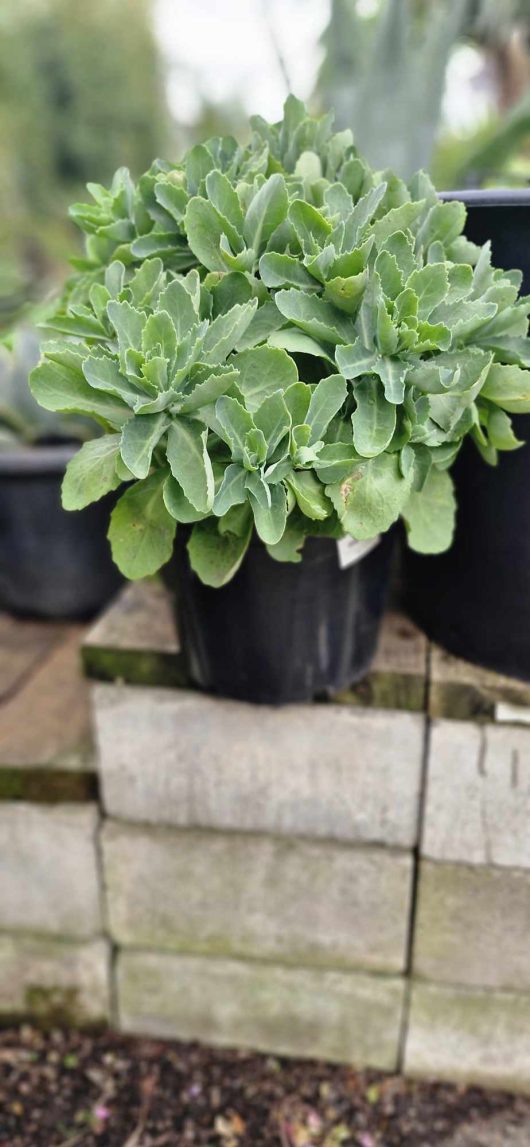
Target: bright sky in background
point(223, 51)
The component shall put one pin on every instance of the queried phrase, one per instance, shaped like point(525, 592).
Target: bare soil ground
point(68, 1089)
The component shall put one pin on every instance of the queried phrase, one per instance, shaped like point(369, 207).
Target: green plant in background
point(80, 91)
point(276, 338)
point(385, 75)
point(22, 421)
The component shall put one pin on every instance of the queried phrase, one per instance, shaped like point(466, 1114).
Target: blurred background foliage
point(89, 85)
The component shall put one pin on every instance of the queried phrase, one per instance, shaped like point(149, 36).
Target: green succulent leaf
point(139, 438)
point(91, 473)
point(371, 499)
point(262, 371)
point(309, 494)
point(142, 530)
point(189, 461)
point(326, 400)
point(374, 419)
point(430, 514)
point(214, 556)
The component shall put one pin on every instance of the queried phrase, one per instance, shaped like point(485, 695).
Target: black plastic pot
point(281, 632)
point(53, 564)
point(475, 599)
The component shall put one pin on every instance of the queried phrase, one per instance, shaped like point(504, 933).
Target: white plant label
point(350, 550)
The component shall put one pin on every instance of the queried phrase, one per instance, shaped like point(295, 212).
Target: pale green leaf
point(142, 530)
point(374, 419)
point(139, 438)
point(91, 473)
point(430, 514)
point(190, 462)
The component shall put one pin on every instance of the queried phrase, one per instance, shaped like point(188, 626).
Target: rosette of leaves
point(133, 221)
point(303, 353)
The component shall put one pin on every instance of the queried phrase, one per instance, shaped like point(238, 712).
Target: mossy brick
point(248, 895)
point(477, 807)
point(473, 926)
point(180, 758)
point(135, 640)
point(48, 869)
point(469, 1036)
point(54, 982)
point(460, 690)
point(343, 1017)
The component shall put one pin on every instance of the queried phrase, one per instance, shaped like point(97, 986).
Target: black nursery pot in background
point(475, 599)
point(281, 632)
point(53, 564)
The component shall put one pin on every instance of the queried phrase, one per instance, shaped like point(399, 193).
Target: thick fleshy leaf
point(209, 389)
point(190, 462)
point(430, 284)
point(309, 494)
point(265, 323)
point(204, 231)
point(234, 423)
point(335, 461)
point(224, 333)
point(508, 387)
point(312, 228)
point(262, 371)
point(267, 210)
point(269, 518)
point(128, 324)
point(103, 373)
point(224, 198)
point(159, 336)
point(232, 491)
point(178, 505)
point(62, 387)
point(354, 359)
point(500, 431)
point(142, 530)
point(296, 342)
point(326, 400)
point(91, 473)
point(178, 304)
point(372, 498)
point(139, 438)
point(315, 316)
point(216, 557)
point(297, 398)
point(278, 270)
point(430, 514)
point(374, 419)
point(272, 418)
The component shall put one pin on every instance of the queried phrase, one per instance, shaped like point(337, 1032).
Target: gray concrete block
point(478, 794)
point(339, 1016)
point(469, 1036)
point(236, 894)
point(473, 926)
point(48, 869)
point(321, 770)
point(53, 981)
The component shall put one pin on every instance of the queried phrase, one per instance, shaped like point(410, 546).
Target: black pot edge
point(35, 460)
point(489, 196)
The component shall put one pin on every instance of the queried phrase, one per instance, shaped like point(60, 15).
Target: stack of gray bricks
point(259, 869)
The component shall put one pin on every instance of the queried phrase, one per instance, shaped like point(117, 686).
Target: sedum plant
point(275, 339)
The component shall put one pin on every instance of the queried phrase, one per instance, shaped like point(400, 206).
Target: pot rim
point(490, 196)
point(35, 460)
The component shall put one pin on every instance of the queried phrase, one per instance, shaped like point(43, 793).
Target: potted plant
point(475, 599)
point(52, 564)
point(285, 351)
